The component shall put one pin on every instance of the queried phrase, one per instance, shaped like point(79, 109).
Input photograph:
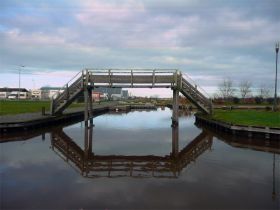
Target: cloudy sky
point(209, 40)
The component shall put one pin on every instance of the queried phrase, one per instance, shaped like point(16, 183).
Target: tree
point(226, 89)
point(264, 91)
point(244, 88)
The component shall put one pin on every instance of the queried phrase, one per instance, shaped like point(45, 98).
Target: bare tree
point(226, 89)
point(264, 91)
point(245, 88)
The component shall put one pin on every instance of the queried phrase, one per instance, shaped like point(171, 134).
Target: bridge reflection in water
point(94, 166)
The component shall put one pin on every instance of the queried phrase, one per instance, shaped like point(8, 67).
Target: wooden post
point(90, 106)
point(131, 78)
point(175, 107)
point(86, 97)
point(110, 81)
point(67, 92)
point(52, 107)
point(180, 80)
point(43, 110)
point(88, 140)
point(153, 78)
point(210, 107)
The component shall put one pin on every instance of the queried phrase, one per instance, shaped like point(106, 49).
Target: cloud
point(233, 39)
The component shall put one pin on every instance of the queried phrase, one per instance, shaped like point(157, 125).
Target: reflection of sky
point(33, 176)
point(135, 133)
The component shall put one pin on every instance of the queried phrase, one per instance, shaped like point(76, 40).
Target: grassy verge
point(24, 106)
point(248, 117)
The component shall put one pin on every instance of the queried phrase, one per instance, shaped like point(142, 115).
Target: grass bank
point(25, 106)
point(248, 117)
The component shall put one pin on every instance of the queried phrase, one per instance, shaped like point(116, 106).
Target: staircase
point(68, 93)
point(195, 94)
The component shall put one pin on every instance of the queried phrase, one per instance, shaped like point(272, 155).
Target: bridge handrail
point(60, 92)
point(193, 83)
point(128, 71)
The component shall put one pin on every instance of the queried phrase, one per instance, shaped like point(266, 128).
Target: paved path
point(27, 117)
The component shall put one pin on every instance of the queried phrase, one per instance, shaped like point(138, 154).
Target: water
point(137, 161)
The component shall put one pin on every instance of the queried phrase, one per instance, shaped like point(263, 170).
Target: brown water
point(137, 161)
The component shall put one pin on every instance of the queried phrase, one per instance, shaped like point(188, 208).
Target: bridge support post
point(175, 107)
point(88, 140)
point(90, 106)
point(52, 107)
point(86, 104)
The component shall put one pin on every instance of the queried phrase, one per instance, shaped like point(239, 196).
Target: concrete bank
point(240, 130)
point(36, 121)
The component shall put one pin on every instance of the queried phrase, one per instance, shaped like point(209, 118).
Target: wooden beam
point(175, 107)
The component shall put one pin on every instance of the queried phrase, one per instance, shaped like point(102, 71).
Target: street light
point(275, 93)
point(19, 71)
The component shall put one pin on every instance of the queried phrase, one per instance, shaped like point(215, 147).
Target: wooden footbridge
point(85, 81)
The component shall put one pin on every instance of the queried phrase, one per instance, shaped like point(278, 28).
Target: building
point(36, 94)
point(98, 96)
point(108, 91)
point(14, 93)
point(124, 94)
point(50, 92)
point(116, 97)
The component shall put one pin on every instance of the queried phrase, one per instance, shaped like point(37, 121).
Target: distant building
point(50, 92)
point(116, 96)
point(36, 94)
point(108, 91)
point(124, 94)
point(13, 93)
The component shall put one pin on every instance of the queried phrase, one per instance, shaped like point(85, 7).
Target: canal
point(136, 160)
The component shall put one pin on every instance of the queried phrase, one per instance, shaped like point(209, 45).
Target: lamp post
point(19, 72)
point(275, 93)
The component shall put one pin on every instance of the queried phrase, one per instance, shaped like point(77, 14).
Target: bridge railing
point(59, 94)
point(194, 84)
point(132, 77)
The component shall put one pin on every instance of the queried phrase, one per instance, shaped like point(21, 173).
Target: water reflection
point(180, 168)
point(94, 166)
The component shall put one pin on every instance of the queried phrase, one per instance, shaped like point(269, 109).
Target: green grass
point(17, 107)
point(248, 117)
point(24, 106)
